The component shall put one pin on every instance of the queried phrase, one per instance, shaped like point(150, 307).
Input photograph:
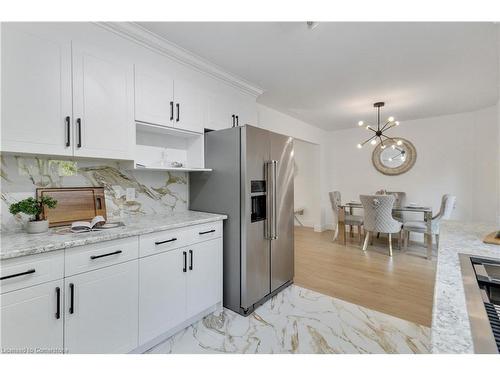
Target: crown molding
point(146, 38)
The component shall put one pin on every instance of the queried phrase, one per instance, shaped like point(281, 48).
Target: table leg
point(342, 224)
point(428, 220)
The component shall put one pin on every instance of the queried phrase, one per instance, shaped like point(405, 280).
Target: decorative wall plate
point(394, 157)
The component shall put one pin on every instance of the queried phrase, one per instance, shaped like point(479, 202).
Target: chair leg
point(406, 238)
point(390, 244)
point(351, 233)
point(336, 232)
point(378, 234)
point(400, 240)
point(359, 235)
point(371, 238)
point(367, 237)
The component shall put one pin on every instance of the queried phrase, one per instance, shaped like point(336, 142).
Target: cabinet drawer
point(31, 270)
point(92, 257)
point(205, 232)
point(155, 243)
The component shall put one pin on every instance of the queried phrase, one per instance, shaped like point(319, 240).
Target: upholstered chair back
point(378, 213)
point(447, 206)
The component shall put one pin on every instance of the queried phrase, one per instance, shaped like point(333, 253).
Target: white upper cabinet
point(103, 104)
point(36, 92)
point(227, 108)
point(168, 101)
point(154, 97)
point(189, 106)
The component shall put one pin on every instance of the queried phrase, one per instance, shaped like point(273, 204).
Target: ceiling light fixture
point(380, 130)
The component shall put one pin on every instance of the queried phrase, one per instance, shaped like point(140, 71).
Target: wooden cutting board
point(492, 239)
point(73, 204)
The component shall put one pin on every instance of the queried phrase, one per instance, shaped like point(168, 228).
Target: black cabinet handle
point(237, 121)
point(208, 231)
point(184, 255)
point(18, 274)
point(58, 303)
point(171, 111)
point(71, 298)
point(105, 255)
point(190, 260)
point(79, 126)
point(178, 106)
point(234, 117)
point(68, 131)
point(162, 242)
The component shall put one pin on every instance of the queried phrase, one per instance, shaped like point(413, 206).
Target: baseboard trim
point(164, 336)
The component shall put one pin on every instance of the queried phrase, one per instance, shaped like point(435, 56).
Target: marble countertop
point(450, 322)
point(21, 244)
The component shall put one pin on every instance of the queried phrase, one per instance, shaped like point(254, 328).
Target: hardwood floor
point(401, 286)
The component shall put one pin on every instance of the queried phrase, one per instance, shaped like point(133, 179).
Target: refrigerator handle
point(275, 200)
point(271, 227)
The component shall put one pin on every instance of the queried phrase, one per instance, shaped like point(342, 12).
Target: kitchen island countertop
point(19, 244)
point(451, 331)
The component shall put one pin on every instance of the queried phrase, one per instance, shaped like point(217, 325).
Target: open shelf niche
point(158, 146)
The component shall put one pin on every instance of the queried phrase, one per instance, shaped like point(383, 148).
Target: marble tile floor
point(298, 320)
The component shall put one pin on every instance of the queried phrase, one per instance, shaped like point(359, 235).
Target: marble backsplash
point(155, 192)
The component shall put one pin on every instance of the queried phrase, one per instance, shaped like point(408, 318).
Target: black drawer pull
point(71, 298)
point(68, 131)
point(171, 111)
point(58, 303)
point(184, 267)
point(79, 126)
point(18, 274)
point(105, 255)
point(190, 260)
point(162, 242)
point(178, 112)
point(208, 231)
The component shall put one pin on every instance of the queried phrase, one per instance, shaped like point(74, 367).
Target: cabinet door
point(154, 97)
point(189, 111)
point(162, 293)
point(219, 112)
point(36, 92)
point(29, 320)
point(204, 276)
point(101, 310)
point(245, 107)
point(103, 105)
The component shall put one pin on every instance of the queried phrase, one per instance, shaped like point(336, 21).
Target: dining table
point(426, 211)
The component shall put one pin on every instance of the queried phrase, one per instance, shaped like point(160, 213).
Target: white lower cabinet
point(30, 319)
point(177, 285)
point(105, 298)
point(162, 293)
point(101, 310)
point(204, 281)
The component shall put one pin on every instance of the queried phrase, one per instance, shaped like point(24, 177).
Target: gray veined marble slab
point(298, 320)
point(450, 322)
point(22, 244)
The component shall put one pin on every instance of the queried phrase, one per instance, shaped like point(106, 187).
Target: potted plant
point(34, 208)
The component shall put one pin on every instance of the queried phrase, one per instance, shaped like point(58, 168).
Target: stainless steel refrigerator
point(252, 183)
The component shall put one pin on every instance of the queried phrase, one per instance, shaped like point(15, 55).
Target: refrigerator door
point(255, 257)
point(282, 247)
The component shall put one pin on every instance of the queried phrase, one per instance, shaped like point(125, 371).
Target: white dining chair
point(420, 226)
point(351, 220)
point(378, 217)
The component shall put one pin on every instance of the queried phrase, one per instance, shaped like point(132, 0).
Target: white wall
point(456, 154)
point(306, 183)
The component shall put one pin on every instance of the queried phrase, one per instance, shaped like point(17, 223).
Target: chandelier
point(379, 131)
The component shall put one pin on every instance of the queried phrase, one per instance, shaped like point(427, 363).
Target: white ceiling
point(330, 76)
